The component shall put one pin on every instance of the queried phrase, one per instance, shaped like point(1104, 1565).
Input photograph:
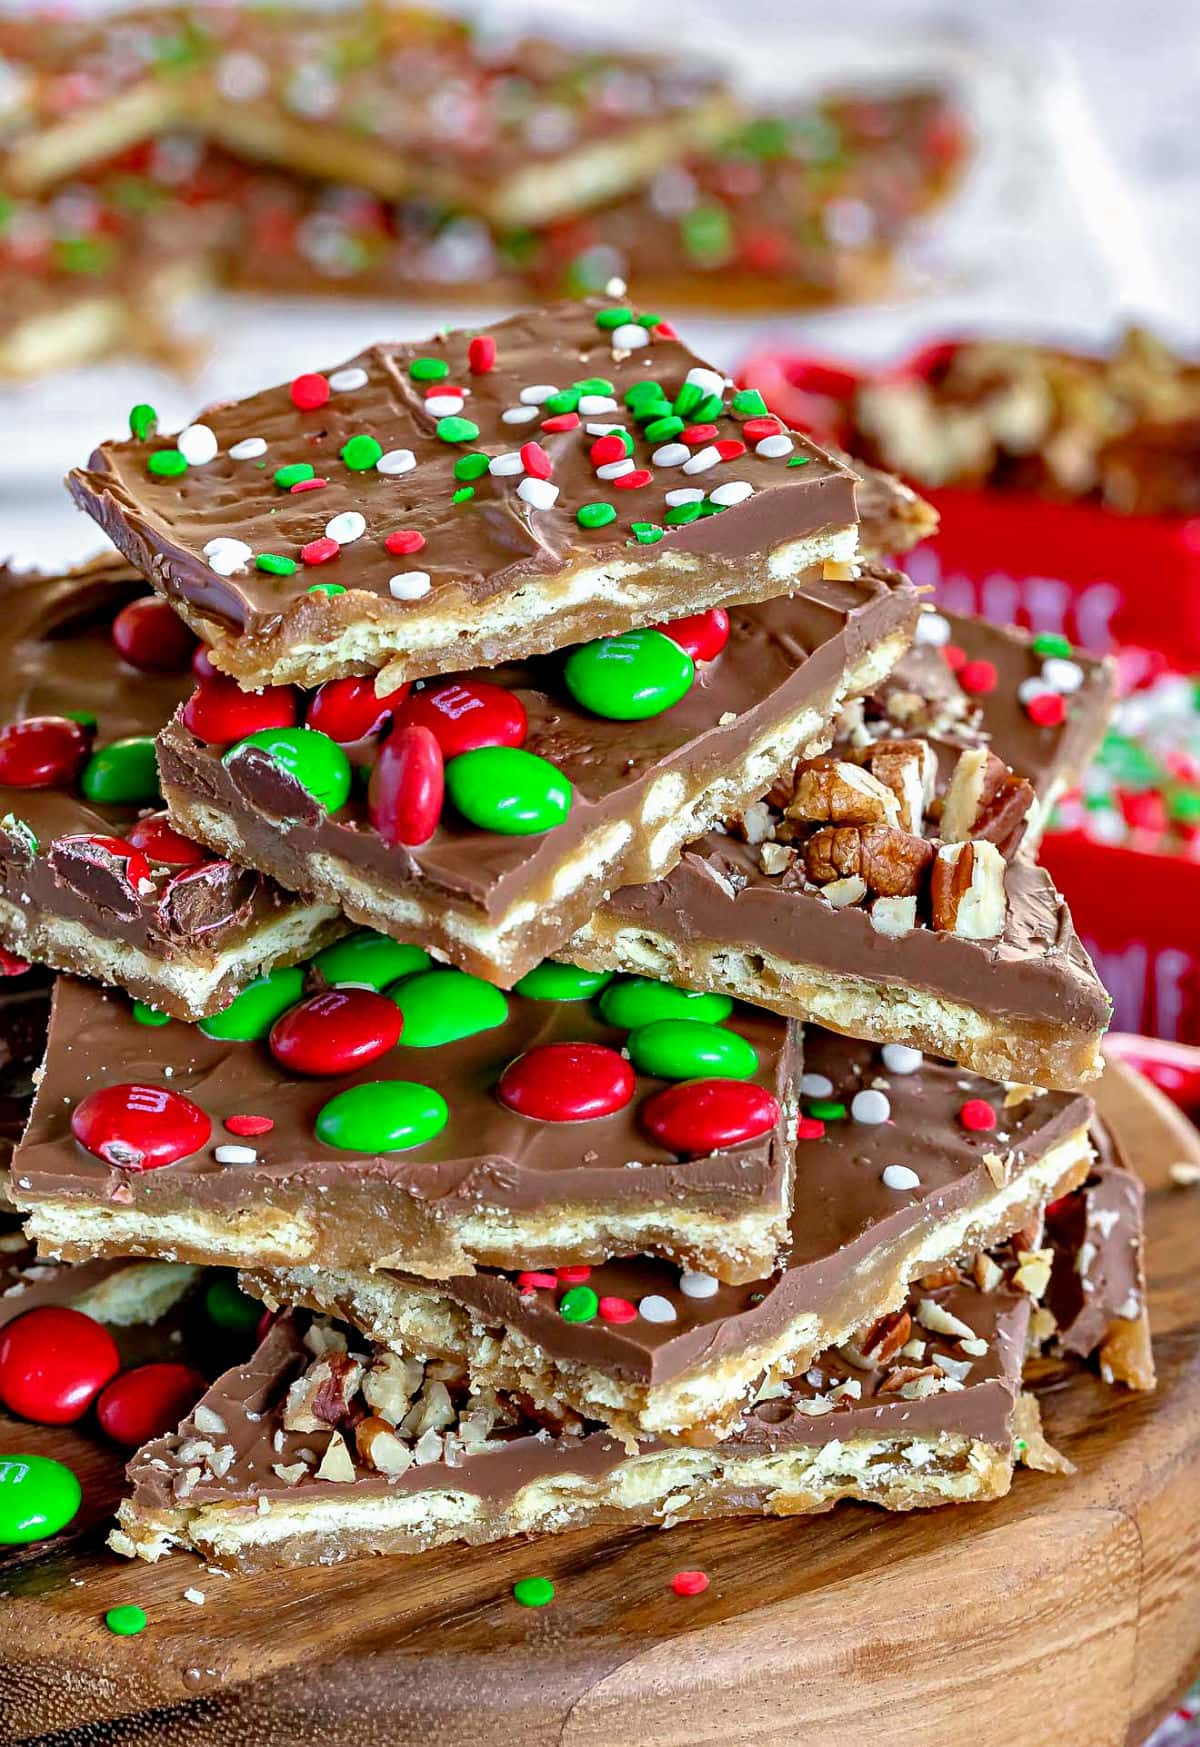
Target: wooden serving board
point(1067, 1615)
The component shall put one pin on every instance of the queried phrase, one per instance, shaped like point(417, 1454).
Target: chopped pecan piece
point(380, 1448)
point(885, 1338)
point(892, 862)
point(967, 892)
point(322, 1396)
point(984, 800)
point(894, 915)
point(909, 769)
point(833, 791)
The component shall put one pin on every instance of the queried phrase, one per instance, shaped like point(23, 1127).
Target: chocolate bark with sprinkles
point(322, 1446)
point(427, 1119)
point(92, 876)
point(901, 1165)
point(423, 507)
point(838, 899)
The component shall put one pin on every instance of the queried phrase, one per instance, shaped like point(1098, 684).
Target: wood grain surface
point(1067, 1615)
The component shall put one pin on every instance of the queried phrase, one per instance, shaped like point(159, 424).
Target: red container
point(1101, 579)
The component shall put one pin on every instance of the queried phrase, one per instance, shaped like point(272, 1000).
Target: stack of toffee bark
point(568, 933)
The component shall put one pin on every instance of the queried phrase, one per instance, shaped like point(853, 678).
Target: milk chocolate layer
point(1098, 1275)
point(478, 584)
point(492, 1184)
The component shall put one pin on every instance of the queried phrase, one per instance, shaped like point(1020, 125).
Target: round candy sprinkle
point(249, 1124)
point(231, 1308)
point(371, 958)
point(254, 1011)
point(429, 369)
point(977, 1115)
point(53, 1364)
point(361, 453)
point(595, 515)
point(197, 444)
point(631, 1002)
point(698, 1285)
point(618, 1310)
point(38, 1497)
point(122, 774)
point(351, 709)
point(816, 1086)
point(146, 1402)
point(309, 391)
point(509, 790)
point(689, 1582)
point(314, 761)
point(550, 981)
point(574, 1274)
point(688, 1049)
point(978, 677)
point(235, 1155)
point(336, 1032)
point(139, 1128)
point(319, 551)
point(533, 1591)
point(870, 1106)
point(145, 1015)
point(1049, 710)
point(404, 540)
point(532, 1280)
point(148, 634)
point(655, 1308)
point(702, 635)
point(567, 1082)
point(578, 1304)
point(396, 462)
point(899, 1058)
point(481, 354)
point(630, 677)
point(227, 557)
point(900, 1177)
point(455, 429)
point(698, 1117)
point(346, 381)
point(143, 422)
point(126, 1621)
point(407, 786)
point(442, 1006)
point(809, 1128)
point(382, 1116)
point(167, 464)
point(42, 752)
point(274, 564)
point(409, 585)
point(464, 715)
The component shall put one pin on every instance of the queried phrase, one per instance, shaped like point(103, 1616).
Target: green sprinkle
point(827, 1110)
point(143, 421)
point(595, 515)
point(463, 493)
point(456, 430)
point(146, 1015)
point(661, 430)
point(1050, 643)
point(167, 464)
point(1184, 806)
point(274, 564)
point(594, 385)
point(799, 460)
point(607, 319)
point(1020, 1446)
point(295, 473)
point(579, 1304)
point(748, 403)
point(126, 1621)
point(534, 1591)
point(639, 393)
point(688, 399)
point(471, 466)
point(326, 588)
point(361, 453)
point(566, 400)
point(681, 513)
point(647, 533)
point(710, 408)
point(429, 370)
point(649, 321)
point(707, 234)
point(709, 508)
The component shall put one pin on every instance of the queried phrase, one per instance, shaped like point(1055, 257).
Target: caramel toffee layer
point(857, 1236)
point(287, 1431)
point(727, 902)
point(498, 903)
point(489, 1186)
point(508, 568)
point(182, 938)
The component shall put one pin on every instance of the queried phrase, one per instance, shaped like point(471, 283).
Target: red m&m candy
point(53, 1363)
point(146, 1402)
point(350, 709)
point(42, 752)
point(149, 634)
point(706, 1116)
point(703, 635)
point(139, 1128)
point(407, 786)
point(219, 711)
point(113, 855)
point(464, 715)
point(159, 841)
point(567, 1082)
point(336, 1031)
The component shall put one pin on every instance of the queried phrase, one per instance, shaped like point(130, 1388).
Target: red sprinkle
point(729, 448)
point(690, 1582)
point(246, 1125)
point(663, 330)
point(617, 1310)
point(316, 483)
point(694, 435)
point(810, 1128)
point(561, 421)
point(310, 391)
point(605, 450)
point(535, 461)
point(574, 1275)
point(977, 677)
point(320, 551)
point(954, 657)
point(703, 635)
point(403, 540)
point(977, 1115)
point(1047, 709)
point(481, 354)
point(632, 481)
point(766, 425)
point(530, 1281)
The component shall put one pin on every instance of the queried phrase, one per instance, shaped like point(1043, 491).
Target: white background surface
point(1082, 211)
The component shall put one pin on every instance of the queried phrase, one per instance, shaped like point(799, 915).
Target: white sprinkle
point(603, 430)
point(629, 337)
point(396, 461)
point(655, 1308)
point(685, 494)
point(444, 406)
point(1033, 687)
point(409, 585)
point(197, 444)
point(1061, 674)
point(235, 1155)
point(671, 455)
point(345, 381)
point(900, 1177)
point(616, 469)
point(249, 449)
point(227, 556)
point(711, 381)
point(703, 459)
point(900, 1058)
point(519, 415)
point(594, 403)
point(346, 527)
point(616, 287)
point(536, 393)
point(932, 628)
point(503, 465)
point(539, 494)
point(698, 1285)
point(815, 1086)
point(736, 491)
point(241, 76)
point(870, 1107)
point(775, 447)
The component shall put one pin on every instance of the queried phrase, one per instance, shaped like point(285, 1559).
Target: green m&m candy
point(691, 1049)
point(442, 1006)
point(630, 677)
point(311, 758)
point(549, 981)
point(382, 1116)
point(38, 1497)
point(370, 958)
point(231, 1308)
point(505, 788)
point(122, 774)
point(259, 1005)
point(632, 1002)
